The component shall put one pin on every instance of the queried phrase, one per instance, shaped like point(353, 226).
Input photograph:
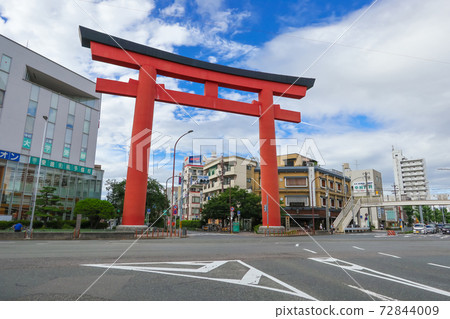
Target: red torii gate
point(150, 62)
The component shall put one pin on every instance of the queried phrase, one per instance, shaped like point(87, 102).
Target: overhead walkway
point(353, 206)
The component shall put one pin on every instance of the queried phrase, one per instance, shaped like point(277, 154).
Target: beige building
point(225, 172)
point(304, 186)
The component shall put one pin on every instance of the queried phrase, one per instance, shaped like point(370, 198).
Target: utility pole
point(222, 172)
point(395, 191)
point(366, 175)
point(327, 209)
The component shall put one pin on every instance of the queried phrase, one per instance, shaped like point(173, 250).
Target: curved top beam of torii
point(88, 36)
point(129, 54)
point(152, 62)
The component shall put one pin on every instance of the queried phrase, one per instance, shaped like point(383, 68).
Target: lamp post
point(312, 203)
point(173, 175)
point(36, 186)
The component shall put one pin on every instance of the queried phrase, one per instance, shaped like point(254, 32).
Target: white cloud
point(392, 68)
point(177, 9)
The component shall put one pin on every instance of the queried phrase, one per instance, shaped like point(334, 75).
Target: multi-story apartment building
point(45, 109)
point(225, 172)
point(191, 188)
point(410, 177)
point(303, 185)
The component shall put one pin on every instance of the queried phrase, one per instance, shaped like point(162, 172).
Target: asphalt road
point(204, 266)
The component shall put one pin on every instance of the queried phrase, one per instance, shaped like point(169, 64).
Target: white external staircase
point(344, 218)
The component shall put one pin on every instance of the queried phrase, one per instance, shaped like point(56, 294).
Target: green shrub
point(256, 228)
point(190, 224)
point(67, 226)
point(6, 224)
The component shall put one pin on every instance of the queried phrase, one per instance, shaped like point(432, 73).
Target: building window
point(323, 183)
point(5, 63)
point(34, 95)
point(324, 201)
point(86, 127)
point(2, 96)
point(331, 184)
point(289, 162)
point(72, 107)
point(296, 181)
point(196, 200)
point(332, 202)
point(296, 201)
point(32, 106)
point(339, 187)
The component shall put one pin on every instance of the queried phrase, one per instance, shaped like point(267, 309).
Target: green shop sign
point(61, 165)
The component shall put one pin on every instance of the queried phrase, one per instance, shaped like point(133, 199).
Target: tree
point(409, 211)
point(116, 194)
point(218, 207)
point(95, 209)
point(47, 205)
point(156, 199)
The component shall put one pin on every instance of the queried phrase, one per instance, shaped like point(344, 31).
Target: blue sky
point(382, 73)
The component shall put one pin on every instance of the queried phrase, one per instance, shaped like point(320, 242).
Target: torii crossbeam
point(152, 62)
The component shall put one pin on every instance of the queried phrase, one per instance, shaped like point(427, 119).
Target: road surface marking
point(374, 294)
point(358, 248)
point(373, 273)
point(197, 268)
point(311, 251)
point(393, 256)
point(437, 265)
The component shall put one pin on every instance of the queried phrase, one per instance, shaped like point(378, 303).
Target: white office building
point(46, 108)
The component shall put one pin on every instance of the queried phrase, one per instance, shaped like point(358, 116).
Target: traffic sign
point(175, 211)
point(239, 213)
point(175, 207)
point(232, 208)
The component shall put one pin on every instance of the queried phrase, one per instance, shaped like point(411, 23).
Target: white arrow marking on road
point(374, 294)
point(373, 273)
point(358, 248)
point(250, 279)
point(311, 251)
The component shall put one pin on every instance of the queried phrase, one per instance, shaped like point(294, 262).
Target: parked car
point(419, 229)
point(446, 229)
point(430, 229)
point(439, 227)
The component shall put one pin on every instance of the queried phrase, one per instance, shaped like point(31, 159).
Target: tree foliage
point(156, 199)
point(95, 210)
point(218, 207)
point(116, 194)
point(48, 205)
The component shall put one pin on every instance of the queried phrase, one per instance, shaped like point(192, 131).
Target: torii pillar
point(152, 62)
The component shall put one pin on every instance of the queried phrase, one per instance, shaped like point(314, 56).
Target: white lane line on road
point(374, 294)
point(393, 256)
point(358, 248)
point(437, 265)
point(311, 251)
point(378, 274)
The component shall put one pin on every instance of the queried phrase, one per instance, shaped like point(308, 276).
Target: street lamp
point(173, 174)
point(312, 203)
point(30, 230)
